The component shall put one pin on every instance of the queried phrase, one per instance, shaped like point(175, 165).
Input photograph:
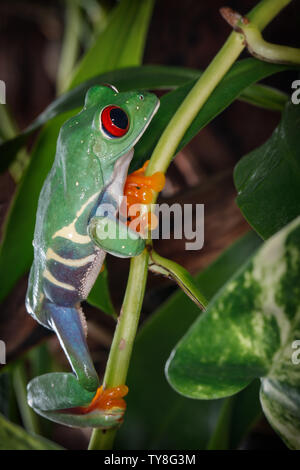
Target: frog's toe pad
point(105, 411)
point(60, 398)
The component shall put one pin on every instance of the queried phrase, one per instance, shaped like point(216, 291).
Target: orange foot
point(103, 400)
point(139, 190)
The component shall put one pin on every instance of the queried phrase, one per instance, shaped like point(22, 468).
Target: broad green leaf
point(268, 178)
point(16, 248)
point(248, 331)
point(13, 437)
point(241, 75)
point(149, 77)
point(143, 78)
point(121, 44)
point(157, 417)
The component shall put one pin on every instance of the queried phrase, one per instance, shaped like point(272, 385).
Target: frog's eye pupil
point(119, 118)
point(114, 121)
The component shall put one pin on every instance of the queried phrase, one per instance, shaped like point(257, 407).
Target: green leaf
point(268, 178)
point(265, 97)
point(13, 437)
point(241, 75)
point(179, 274)
point(143, 78)
point(149, 77)
point(16, 248)
point(248, 331)
point(157, 417)
point(8, 405)
point(238, 415)
point(121, 43)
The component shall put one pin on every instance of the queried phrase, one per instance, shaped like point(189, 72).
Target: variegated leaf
point(249, 330)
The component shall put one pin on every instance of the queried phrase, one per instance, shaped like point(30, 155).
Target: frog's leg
point(74, 400)
point(69, 326)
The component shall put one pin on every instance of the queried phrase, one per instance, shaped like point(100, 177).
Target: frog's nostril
point(141, 97)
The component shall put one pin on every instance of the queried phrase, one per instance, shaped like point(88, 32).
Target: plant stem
point(120, 353)
point(118, 362)
point(163, 153)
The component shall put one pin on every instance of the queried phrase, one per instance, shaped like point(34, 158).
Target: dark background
point(187, 33)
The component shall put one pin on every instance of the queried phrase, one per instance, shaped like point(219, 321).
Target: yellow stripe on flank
point(67, 261)
point(69, 231)
point(47, 275)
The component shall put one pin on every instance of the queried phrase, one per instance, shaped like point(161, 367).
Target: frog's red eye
point(114, 121)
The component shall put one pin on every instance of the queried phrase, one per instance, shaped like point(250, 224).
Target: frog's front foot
point(125, 236)
point(60, 398)
point(139, 187)
point(139, 190)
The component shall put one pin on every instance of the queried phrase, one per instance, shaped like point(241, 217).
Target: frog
point(77, 213)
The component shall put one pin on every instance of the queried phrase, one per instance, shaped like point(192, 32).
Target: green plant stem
point(119, 357)
point(120, 352)
point(163, 153)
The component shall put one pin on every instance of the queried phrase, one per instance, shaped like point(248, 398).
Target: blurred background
point(186, 34)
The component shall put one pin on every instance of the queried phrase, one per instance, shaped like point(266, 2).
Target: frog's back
point(66, 262)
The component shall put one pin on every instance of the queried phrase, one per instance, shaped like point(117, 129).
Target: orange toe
point(103, 400)
point(139, 189)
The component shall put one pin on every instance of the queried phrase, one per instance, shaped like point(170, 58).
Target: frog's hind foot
point(60, 398)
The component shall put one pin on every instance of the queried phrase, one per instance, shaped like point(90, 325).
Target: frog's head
point(119, 120)
point(92, 142)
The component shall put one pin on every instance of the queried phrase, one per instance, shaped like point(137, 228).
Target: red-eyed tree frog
point(94, 150)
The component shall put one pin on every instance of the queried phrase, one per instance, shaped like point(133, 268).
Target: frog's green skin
point(89, 171)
